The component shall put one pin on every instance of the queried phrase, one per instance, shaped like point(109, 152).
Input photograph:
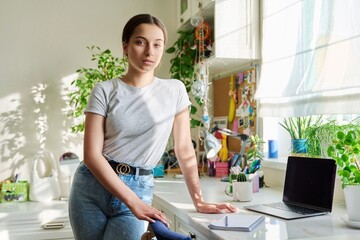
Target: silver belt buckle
point(123, 168)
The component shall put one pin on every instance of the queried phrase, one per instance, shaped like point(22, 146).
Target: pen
point(226, 221)
point(16, 178)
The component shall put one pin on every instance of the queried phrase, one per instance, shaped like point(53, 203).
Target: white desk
point(172, 196)
point(26, 220)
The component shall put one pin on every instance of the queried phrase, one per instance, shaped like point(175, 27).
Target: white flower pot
point(352, 201)
point(242, 191)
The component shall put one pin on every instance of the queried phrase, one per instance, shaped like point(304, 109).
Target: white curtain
point(310, 58)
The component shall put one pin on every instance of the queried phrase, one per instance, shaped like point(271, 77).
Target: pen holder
point(241, 191)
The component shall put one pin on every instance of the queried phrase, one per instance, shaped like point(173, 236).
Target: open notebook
point(237, 222)
point(308, 189)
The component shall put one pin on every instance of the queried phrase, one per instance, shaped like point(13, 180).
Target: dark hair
point(139, 19)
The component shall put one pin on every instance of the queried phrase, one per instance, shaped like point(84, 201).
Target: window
point(310, 63)
point(310, 58)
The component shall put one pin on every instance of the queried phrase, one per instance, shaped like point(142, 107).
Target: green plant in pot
point(242, 188)
point(297, 128)
point(256, 150)
point(241, 177)
point(345, 150)
point(183, 67)
point(108, 67)
point(323, 135)
point(320, 136)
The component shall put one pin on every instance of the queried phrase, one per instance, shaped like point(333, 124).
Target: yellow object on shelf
point(224, 152)
point(232, 105)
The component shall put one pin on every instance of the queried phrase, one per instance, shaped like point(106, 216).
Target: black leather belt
point(122, 168)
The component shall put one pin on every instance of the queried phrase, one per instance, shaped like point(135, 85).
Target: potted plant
point(297, 127)
point(256, 149)
point(242, 188)
point(345, 150)
point(319, 137)
point(183, 67)
point(108, 67)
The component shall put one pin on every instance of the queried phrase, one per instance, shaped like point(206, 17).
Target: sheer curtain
point(310, 58)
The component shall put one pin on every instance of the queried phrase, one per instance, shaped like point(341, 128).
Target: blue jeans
point(96, 214)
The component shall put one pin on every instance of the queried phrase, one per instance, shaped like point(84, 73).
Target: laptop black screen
point(310, 182)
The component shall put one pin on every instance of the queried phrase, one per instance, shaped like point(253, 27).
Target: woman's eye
point(140, 42)
point(157, 45)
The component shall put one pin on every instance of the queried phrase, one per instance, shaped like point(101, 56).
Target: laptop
point(308, 189)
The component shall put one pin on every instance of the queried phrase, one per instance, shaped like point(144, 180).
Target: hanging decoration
point(202, 33)
point(233, 100)
point(200, 87)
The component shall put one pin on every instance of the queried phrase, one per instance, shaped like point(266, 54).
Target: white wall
point(42, 43)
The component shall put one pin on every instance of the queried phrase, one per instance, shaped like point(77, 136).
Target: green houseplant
point(297, 127)
point(345, 150)
point(242, 188)
point(320, 136)
point(241, 177)
point(256, 150)
point(182, 67)
point(108, 67)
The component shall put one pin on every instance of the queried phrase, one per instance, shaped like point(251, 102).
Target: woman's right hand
point(146, 212)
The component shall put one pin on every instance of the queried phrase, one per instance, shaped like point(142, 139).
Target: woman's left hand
point(204, 207)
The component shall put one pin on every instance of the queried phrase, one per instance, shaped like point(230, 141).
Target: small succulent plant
point(241, 177)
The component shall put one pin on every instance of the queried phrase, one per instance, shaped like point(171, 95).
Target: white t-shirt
point(138, 121)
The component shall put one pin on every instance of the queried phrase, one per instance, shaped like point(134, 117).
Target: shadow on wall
point(31, 121)
point(12, 139)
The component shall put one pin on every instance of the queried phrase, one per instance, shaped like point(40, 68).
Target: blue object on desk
point(158, 171)
point(162, 232)
point(273, 149)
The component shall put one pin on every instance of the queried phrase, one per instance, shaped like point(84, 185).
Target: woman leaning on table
point(127, 126)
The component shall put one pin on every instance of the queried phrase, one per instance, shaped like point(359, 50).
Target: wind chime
point(200, 87)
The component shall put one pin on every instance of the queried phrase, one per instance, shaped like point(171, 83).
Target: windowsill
point(275, 163)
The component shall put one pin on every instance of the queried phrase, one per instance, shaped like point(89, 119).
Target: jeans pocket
point(117, 206)
point(82, 168)
point(145, 188)
point(147, 182)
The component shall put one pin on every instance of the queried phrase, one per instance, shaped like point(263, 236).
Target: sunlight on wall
point(66, 88)
point(41, 123)
point(6, 107)
point(68, 79)
point(11, 135)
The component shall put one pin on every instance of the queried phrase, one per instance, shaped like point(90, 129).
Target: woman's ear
point(125, 48)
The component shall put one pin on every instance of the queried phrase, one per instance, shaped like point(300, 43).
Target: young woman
point(127, 126)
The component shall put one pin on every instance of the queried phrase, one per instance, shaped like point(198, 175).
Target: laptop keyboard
point(296, 209)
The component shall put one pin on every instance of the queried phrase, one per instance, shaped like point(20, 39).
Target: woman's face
point(145, 48)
